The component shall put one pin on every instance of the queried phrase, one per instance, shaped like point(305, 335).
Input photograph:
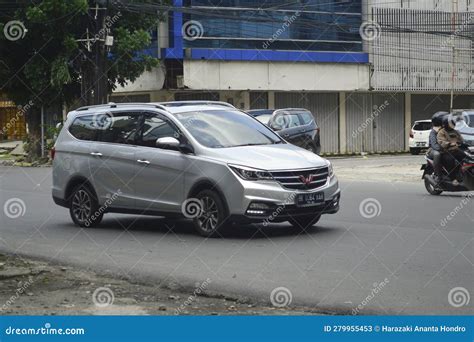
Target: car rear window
point(83, 128)
point(422, 126)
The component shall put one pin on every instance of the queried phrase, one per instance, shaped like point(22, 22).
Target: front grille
point(298, 179)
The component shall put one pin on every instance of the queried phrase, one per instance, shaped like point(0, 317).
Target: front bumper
point(281, 203)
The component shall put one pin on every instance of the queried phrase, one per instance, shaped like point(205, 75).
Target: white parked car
point(419, 136)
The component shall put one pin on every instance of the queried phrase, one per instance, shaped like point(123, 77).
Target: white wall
point(286, 76)
point(148, 81)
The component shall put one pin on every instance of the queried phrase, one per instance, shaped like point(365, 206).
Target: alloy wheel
point(82, 206)
point(209, 218)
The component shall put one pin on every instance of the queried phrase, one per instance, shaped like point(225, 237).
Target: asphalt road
point(409, 245)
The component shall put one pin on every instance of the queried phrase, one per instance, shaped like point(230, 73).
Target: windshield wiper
point(250, 144)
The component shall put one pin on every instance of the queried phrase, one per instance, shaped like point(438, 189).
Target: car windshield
point(264, 118)
point(470, 120)
point(467, 121)
point(226, 128)
point(422, 126)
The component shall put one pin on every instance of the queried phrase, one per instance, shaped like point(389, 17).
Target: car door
point(159, 184)
point(309, 130)
point(113, 163)
point(286, 124)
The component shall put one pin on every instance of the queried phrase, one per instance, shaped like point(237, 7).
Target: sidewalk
point(403, 168)
point(31, 287)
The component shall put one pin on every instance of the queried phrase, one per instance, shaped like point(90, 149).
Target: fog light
point(335, 201)
point(256, 212)
point(259, 206)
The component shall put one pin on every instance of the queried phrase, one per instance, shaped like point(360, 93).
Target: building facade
point(361, 67)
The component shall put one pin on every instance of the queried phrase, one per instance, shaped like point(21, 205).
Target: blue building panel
point(237, 36)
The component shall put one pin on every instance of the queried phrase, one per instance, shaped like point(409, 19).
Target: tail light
point(411, 134)
point(53, 153)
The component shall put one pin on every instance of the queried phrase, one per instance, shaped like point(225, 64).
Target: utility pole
point(94, 85)
point(454, 10)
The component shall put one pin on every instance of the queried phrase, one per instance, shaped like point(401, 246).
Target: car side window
point(155, 127)
point(306, 117)
point(84, 128)
point(118, 127)
point(286, 120)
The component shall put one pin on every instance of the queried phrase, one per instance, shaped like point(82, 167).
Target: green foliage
point(48, 64)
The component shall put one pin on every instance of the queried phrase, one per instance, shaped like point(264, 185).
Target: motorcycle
point(449, 182)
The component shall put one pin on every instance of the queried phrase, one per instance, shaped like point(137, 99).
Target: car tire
point(84, 207)
point(304, 222)
point(212, 215)
point(414, 151)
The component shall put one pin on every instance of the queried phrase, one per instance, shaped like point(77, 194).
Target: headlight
point(330, 169)
point(249, 173)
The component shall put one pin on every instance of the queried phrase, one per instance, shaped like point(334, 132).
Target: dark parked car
point(295, 125)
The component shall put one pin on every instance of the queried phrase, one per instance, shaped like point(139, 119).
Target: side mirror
point(186, 148)
point(169, 142)
point(174, 144)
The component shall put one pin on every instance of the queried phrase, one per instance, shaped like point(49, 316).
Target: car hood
point(466, 131)
point(268, 157)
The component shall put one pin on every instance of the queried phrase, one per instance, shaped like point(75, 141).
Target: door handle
point(146, 162)
point(96, 154)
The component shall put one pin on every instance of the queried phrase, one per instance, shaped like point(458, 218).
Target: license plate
point(305, 200)
point(420, 144)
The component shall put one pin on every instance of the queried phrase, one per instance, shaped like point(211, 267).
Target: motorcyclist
point(435, 151)
point(450, 141)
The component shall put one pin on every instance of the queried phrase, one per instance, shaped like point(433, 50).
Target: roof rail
point(114, 105)
point(190, 103)
point(282, 109)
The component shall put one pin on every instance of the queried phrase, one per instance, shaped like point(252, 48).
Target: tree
point(53, 52)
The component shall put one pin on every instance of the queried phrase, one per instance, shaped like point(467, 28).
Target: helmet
point(447, 123)
point(437, 118)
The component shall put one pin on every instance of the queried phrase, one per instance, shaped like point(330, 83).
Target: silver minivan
point(206, 161)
